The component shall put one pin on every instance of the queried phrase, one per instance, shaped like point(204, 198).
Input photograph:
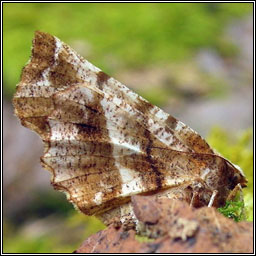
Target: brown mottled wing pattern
point(103, 142)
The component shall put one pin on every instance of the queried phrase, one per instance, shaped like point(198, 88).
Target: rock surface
point(176, 228)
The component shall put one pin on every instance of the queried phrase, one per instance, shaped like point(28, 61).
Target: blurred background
point(194, 60)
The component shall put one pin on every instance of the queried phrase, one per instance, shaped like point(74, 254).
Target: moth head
point(236, 176)
point(233, 178)
point(223, 177)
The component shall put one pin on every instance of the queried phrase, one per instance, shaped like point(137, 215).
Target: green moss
point(233, 210)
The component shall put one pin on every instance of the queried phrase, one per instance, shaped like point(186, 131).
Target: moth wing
point(103, 142)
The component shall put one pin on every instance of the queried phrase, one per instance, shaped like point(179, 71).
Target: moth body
point(104, 143)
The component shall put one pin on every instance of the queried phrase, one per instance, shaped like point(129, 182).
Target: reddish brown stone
point(178, 228)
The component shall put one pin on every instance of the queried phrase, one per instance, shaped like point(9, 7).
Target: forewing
point(103, 142)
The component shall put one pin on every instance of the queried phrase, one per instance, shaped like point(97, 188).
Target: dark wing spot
point(102, 78)
point(143, 106)
point(171, 122)
point(42, 57)
point(157, 173)
point(64, 74)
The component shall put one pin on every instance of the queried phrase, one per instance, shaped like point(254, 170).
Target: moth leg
point(233, 193)
point(194, 198)
point(214, 193)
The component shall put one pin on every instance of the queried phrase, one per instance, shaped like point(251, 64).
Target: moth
point(103, 143)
